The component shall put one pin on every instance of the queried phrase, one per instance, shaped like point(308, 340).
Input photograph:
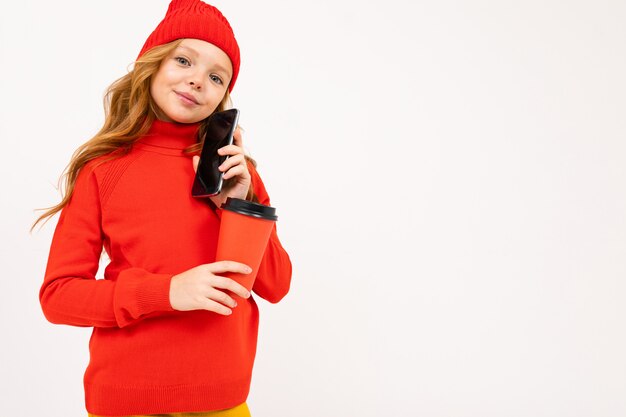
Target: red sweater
point(145, 357)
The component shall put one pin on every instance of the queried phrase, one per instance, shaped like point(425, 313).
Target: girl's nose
point(195, 85)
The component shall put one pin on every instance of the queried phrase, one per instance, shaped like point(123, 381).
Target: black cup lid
point(248, 208)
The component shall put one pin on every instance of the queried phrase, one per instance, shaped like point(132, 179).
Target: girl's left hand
point(234, 167)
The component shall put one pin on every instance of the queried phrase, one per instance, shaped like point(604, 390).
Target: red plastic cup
point(245, 230)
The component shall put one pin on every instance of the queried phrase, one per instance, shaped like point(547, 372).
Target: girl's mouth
point(186, 98)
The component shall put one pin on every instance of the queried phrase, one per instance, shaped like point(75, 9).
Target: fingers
point(231, 162)
point(237, 139)
point(230, 285)
point(229, 266)
point(195, 161)
point(235, 149)
point(236, 164)
point(199, 288)
point(222, 298)
point(230, 149)
point(238, 170)
point(227, 283)
point(216, 307)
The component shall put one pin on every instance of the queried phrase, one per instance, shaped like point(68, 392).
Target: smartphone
point(220, 129)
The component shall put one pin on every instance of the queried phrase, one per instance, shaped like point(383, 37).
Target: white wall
point(450, 183)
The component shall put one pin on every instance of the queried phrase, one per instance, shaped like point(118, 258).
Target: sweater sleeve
point(71, 294)
point(274, 276)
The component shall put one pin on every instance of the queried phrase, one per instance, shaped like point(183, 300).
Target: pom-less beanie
point(198, 20)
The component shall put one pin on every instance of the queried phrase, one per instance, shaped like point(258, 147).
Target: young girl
point(170, 335)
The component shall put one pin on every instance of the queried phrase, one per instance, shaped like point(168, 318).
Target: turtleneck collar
point(171, 135)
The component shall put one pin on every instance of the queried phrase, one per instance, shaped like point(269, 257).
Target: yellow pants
point(239, 411)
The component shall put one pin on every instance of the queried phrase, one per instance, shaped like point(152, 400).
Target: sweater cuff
point(139, 294)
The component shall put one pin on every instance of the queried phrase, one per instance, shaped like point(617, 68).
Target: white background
point(449, 177)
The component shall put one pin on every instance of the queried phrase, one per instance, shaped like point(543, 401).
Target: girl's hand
point(234, 167)
point(197, 288)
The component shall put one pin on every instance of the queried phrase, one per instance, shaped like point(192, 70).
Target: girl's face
point(191, 82)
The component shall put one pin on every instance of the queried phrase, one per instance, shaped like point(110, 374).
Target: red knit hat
point(198, 20)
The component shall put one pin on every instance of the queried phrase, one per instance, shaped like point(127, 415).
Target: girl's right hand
point(197, 288)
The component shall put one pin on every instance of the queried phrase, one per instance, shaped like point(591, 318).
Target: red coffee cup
point(245, 230)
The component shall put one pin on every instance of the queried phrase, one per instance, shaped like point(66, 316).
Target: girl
point(170, 335)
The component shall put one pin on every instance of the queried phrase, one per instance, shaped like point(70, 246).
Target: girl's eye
point(216, 79)
point(182, 60)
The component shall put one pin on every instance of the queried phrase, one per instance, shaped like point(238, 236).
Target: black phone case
point(220, 129)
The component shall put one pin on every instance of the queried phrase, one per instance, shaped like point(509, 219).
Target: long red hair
point(129, 113)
